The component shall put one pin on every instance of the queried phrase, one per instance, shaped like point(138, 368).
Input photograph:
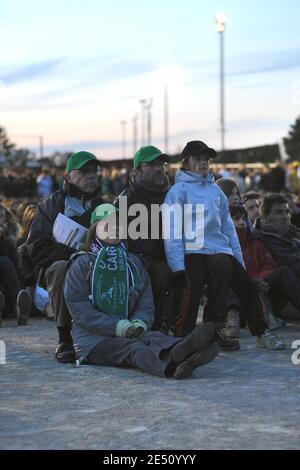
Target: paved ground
point(244, 400)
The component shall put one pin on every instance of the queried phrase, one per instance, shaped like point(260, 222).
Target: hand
point(179, 280)
point(138, 332)
point(262, 285)
point(130, 332)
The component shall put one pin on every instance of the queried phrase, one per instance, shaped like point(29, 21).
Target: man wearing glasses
point(77, 200)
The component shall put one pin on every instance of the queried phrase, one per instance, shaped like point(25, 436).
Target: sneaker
point(65, 354)
point(2, 305)
point(199, 339)
point(199, 358)
point(270, 341)
point(232, 329)
point(23, 307)
point(226, 343)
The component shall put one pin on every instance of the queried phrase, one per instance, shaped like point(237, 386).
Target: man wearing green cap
point(148, 185)
point(77, 200)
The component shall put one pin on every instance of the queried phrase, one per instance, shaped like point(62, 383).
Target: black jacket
point(42, 249)
point(150, 247)
point(286, 251)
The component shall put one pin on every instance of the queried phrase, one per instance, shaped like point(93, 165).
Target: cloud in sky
point(89, 65)
point(250, 63)
point(90, 70)
point(29, 72)
point(263, 62)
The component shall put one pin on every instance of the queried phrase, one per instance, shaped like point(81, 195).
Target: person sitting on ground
point(39, 296)
point(212, 255)
point(234, 311)
point(148, 185)
point(109, 297)
point(294, 209)
point(253, 205)
point(14, 300)
point(10, 223)
point(80, 195)
point(279, 283)
point(277, 233)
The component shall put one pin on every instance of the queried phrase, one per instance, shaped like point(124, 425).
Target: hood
point(186, 176)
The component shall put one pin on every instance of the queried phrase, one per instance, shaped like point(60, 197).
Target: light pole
point(134, 133)
point(143, 103)
point(123, 124)
point(40, 139)
point(149, 121)
point(166, 118)
point(220, 26)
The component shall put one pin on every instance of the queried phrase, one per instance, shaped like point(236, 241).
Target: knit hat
point(103, 211)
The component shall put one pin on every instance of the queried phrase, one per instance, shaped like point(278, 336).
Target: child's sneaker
point(270, 341)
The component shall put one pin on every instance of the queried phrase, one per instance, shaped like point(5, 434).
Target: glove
point(179, 280)
point(140, 328)
point(122, 327)
point(130, 332)
point(138, 332)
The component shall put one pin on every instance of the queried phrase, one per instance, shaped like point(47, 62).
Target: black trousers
point(220, 272)
point(284, 287)
point(161, 278)
point(55, 278)
point(10, 283)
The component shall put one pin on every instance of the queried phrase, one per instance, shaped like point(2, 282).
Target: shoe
point(199, 358)
point(2, 305)
point(199, 339)
point(232, 329)
point(23, 307)
point(226, 343)
point(270, 341)
point(65, 353)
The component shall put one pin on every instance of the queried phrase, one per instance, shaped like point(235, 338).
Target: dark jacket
point(90, 326)
point(150, 247)
point(40, 245)
point(8, 249)
point(286, 251)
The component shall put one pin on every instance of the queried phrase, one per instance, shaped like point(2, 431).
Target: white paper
point(68, 232)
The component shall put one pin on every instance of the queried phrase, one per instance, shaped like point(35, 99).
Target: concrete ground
point(243, 400)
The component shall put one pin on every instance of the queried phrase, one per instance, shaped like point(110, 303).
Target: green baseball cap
point(103, 211)
point(148, 154)
point(78, 159)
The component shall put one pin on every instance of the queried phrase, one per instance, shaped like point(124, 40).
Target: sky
point(71, 71)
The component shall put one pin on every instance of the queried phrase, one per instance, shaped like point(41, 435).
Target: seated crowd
point(134, 301)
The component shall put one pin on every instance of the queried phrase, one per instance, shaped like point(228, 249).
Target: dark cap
point(196, 147)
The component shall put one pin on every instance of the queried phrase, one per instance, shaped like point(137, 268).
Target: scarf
point(114, 276)
point(287, 232)
point(74, 191)
point(150, 187)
